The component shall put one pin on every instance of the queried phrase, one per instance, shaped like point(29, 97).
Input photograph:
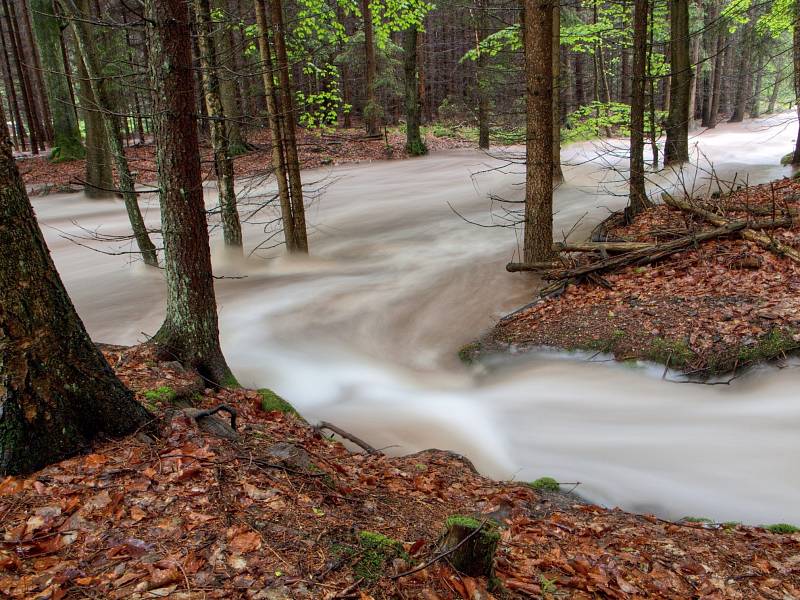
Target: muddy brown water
point(364, 333)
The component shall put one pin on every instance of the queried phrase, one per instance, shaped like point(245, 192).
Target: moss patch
point(271, 402)
point(782, 528)
point(163, 394)
point(673, 353)
point(376, 550)
point(468, 353)
point(547, 484)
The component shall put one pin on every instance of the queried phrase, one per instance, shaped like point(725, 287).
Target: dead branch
point(749, 232)
point(610, 247)
point(348, 436)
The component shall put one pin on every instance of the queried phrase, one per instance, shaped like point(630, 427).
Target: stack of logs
point(615, 255)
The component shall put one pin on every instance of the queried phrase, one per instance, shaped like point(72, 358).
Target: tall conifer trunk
point(190, 332)
point(676, 149)
point(537, 17)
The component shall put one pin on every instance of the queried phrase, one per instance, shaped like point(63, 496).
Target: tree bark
point(537, 18)
point(716, 84)
point(371, 107)
point(414, 144)
point(229, 85)
point(482, 84)
point(637, 199)
point(57, 392)
point(796, 65)
point(558, 174)
point(676, 149)
point(12, 94)
point(24, 83)
point(223, 164)
point(98, 172)
point(113, 136)
point(276, 117)
point(190, 331)
point(744, 79)
point(289, 137)
point(66, 135)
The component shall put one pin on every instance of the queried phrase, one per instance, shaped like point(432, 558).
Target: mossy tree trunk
point(223, 164)
point(112, 131)
point(66, 135)
point(414, 144)
point(796, 70)
point(537, 17)
point(289, 136)
point(276, 117)
point(229, 90)
point(190, 332)
point(57, 392)
point(99, 174)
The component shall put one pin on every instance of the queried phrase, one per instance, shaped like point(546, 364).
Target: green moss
point(697, 520)
point(376, 550)
point(774, 344)
point(163, 394)
point(489, 532)
point(271, 402)
point(468, 353)
point(231, 382)
point(782, 528)
point(675, 353)
point(547, 484)
point(731, 524)
point(787, 159)
point(417, 148)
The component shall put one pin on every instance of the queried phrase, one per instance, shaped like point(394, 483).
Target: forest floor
point(316, 149)
point(713, 309)
point(282, 511)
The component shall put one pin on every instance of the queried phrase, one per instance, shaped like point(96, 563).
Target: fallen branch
point(513, 267)
point(749, 232)
point(610, 247)
point(348, 436)
point(647, 255)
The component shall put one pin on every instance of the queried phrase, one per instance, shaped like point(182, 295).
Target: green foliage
point(547, 484)
point(163, 394)
point(321, 109)
point(782, 528)
point(589, 120)
point(270, 402)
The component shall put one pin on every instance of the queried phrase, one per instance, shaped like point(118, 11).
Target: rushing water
point(364, 333)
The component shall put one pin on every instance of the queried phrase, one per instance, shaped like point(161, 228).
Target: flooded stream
point(365, 332)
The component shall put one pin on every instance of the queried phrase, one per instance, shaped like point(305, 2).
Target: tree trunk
point(289, 137)
point(638, 200)
point(652, 95)
point(12, 94)
point(796, 62)
point(537, 18)
point(694, 63)
point(24, 83)
point(776, 86)
point(755, 98)
point(57, 392)
point(228, 84)
point(716, 84)
point(66, 135)
point(414, 144)
point(190, 332)
point(482, 84)
point(371, 107)
point(744, 79)
point(223, 164)
point(47, 117)
point(558, 174)
point(676, 149)
point(276, 117)
point(99, 90)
